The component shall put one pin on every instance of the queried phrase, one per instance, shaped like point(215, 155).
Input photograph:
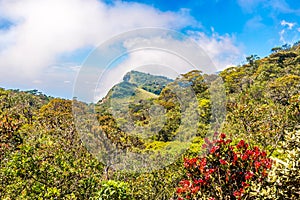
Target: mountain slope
point(137, 85)
point(146, 81)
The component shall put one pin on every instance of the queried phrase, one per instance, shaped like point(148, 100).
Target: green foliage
point(262, 98)
point(284, 182)
point(158, 184)
point(148, 82)
point(283, 88)
point(288, 177)
point(123, 90)
point(113, 190)
point(50, 161)
point(43, 157)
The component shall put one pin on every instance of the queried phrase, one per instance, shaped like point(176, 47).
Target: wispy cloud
point(222, 49)
point(254, 23)
point(289, 32)
point(290, 25)
point(281, 36)
point(280, 6)
point(249, 5)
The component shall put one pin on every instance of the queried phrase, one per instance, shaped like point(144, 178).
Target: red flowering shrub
point(226, 172)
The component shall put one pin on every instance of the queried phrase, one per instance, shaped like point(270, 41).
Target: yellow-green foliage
point(42, 155)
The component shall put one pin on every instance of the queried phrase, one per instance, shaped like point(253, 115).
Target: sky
point(45, 43)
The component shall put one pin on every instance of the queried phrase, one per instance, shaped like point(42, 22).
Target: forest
point(247, 148)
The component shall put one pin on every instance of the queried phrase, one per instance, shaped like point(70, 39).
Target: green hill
point(137, 85)
point(146, 81)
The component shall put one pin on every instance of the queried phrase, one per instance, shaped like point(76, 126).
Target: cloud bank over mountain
point(43, 43)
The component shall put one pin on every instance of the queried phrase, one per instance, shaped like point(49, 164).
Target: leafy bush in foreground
point(113, 190)
point(227, 172)
point(284, 180)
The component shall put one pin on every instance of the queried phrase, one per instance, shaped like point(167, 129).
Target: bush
point(288, 174)
point(285, 177)
point(116, 190)
point(227, 171)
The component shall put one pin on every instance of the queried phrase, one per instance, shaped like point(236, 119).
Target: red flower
point(185, 183)
point(246, 146)
point(249, 175)
point(242, 190)
point(223, 162)
point(241, 144)
point(195, 189)
point(190, 162)
point(214, 149)
point(268, 163)
point(235, 158)
point(249, 152)
point(220, 141)
point(200, 181)
point(238, 166)
point(256, 151)
point(228, 141)
point(207, 176)
point(244, 157)
point(222, 136)
point(193, 161)
point(236, 193)
point(180, 190)
point(257, 164)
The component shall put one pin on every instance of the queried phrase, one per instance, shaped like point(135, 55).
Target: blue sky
point(44, 43)
point(256, 24)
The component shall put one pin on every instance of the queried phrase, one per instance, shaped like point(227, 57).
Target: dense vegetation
point(42, 155)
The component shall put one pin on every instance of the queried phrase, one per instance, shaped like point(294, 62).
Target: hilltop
point(137, 85)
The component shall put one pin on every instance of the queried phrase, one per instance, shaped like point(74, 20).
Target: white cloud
point(222, 49)
point(289, 33)
point(290, 25)
point(281, 36)
point(37, 81)
point(45, 29)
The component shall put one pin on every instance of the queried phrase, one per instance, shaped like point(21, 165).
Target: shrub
point(227, 171)
point(113, 190)
point(284, 180)
point(288, 173)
